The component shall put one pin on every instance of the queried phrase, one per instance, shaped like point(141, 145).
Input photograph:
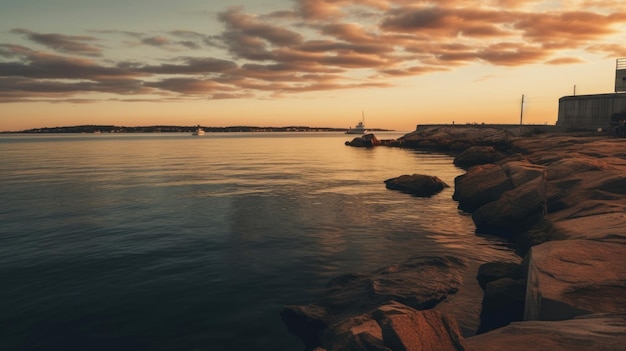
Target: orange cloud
point(316, 45)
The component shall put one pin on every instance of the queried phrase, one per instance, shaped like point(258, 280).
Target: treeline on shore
point(175, 129)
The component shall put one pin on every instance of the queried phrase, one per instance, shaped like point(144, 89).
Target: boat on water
point(359, 128)
point(198, 131)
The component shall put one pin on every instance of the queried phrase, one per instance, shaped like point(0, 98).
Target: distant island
point(178, 129)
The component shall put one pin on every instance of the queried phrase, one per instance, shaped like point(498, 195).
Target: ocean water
point(174, 242)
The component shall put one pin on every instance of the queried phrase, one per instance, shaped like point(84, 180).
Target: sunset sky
point(316, 63)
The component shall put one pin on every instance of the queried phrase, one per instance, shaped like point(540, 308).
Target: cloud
point(69, 44)
point(567, 29)
point(316, 45)
point(41, 65)
point(191, 65)
point(248, 25)
point(612, 50)
point(323, 9)
point(565, 60)
point(156, 41)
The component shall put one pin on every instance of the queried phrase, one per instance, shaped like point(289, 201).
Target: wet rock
point(503, 303)
point(540, 233)
point(491, 271)
point(521, 172)
point(517, 210)
point(477, 155)
point(607, 226)
point(572, 166)
point(480, 185)
point(603, 332)
point(358, 333)
point(444, 137)
point(420, 283)
point(575, 277)
point(417, 184)
point(419, 330)
point(395, 327)
point(306, 322)
point(367, 140)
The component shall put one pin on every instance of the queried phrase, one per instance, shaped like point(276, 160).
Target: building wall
point(591, 112)
point(620, 75)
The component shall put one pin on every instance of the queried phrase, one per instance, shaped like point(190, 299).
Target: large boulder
point(521, 172)
point(358, 333)
point(367, 140)
point(420, 282)
point(491, 271)
point(395, 327)
point(405, 330)
point(604, 332)
point(575, 277)
point(477, 155)
point(444, 137)
point(517, 210)
point(572, 166)
point(480, 185)
point(607, 226)
point(503, 303)
point(417, 184)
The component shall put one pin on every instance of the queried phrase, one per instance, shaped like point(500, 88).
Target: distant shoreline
point(95, 129)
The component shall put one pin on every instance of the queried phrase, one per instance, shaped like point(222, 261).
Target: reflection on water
point(167, 242)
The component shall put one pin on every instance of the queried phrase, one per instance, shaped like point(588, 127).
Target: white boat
point(198, 131)
point(359, 128)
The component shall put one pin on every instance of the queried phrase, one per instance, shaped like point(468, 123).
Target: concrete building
point(590, 112)
point(597, 111)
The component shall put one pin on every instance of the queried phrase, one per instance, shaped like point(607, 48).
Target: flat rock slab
point(575, 277)
point(396, 327)
point(417, 184)
point(420, 282)
point(602, 227)
point(603, 332)
point(480, 185)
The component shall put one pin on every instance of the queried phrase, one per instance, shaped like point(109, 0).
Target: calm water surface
point(174, 242)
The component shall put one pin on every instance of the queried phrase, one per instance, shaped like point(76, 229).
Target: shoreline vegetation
point(559, 198)
point(96, 129)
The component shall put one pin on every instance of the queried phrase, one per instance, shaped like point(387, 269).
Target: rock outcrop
point(515, 211)
point(394, 327)
point(419, 283)
point(503, 303)
point(457, 137)
point(566, 206)
point(479, 186)
point(492, 271)
point(604, 332)
point(504, 284)
point(477, 155)
point(560, 198)
point(367, 140)
point(575, 277)
point(417, 184)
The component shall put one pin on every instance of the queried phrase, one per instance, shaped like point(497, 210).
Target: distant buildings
point(598, 111)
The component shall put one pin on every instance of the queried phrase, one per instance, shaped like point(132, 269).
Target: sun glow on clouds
point(311, 47)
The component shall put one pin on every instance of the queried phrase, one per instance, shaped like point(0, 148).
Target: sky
point(318, 63)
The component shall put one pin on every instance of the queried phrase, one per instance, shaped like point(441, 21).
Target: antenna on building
point(574, 89)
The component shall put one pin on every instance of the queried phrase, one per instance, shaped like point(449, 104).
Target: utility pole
point(521, 113)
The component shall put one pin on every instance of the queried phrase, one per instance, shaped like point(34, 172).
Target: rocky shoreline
point(560, 198)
